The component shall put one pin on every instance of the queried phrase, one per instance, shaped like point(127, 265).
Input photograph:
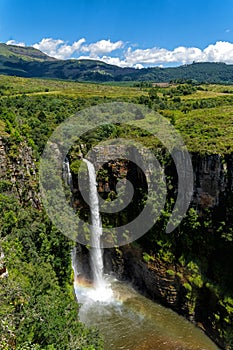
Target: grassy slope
point(25, 53)
point(16, 85)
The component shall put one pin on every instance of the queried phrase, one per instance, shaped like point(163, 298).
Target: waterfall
point(126, 319)
point(96, 252)
point(100, 290)
point(67, 176)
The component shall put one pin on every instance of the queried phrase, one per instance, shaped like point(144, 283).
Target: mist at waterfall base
point(126, 319)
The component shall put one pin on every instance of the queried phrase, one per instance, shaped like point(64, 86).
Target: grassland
point(11, 86)
point(204, 117)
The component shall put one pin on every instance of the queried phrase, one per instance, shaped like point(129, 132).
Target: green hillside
point(25, 53)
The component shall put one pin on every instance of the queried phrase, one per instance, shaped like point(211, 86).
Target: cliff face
point(154, 279)
point(213, 176)
point(213, 180)
point(18, 171)
point(157, 279)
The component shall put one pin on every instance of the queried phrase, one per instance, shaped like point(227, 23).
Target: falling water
point(96, 252)
point(67, 176)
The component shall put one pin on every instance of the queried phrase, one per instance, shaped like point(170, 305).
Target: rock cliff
point(18, 170)
point(159, 280)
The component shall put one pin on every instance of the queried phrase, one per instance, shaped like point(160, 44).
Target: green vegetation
point(16, 86)
point(37, 306)
point(203, 117)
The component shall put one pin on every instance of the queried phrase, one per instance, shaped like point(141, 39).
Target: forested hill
point(29, 62)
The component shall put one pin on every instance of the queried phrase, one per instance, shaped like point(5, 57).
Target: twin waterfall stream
point(126, 319)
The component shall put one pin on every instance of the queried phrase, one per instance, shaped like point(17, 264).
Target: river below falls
point(129, 321)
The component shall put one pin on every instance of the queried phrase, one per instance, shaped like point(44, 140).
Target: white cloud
point(158, 56)
point(138, 66)
point(13, 42)
point(58, 48)
point(102, 47)
point(129, 56)
point(114, 60)
point(221, 51)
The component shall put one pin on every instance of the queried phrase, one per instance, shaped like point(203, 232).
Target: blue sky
point(127, 33)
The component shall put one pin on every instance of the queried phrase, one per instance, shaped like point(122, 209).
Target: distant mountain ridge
point(32, 63)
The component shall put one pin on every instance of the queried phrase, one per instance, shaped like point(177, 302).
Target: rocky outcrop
point(213, 180)
point(157, 280)
point(18, 170)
